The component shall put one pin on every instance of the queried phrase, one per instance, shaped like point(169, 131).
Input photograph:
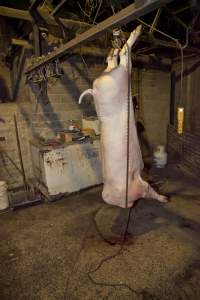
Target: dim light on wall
point(180, 118)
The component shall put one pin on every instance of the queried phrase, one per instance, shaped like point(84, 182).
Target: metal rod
point(177, 19)
point(178, 11)
point(35, 4)
point(126, 15)
point(20, 158)
point(57, 8)
point(155, 21)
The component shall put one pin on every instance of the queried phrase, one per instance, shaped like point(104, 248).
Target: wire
point(144, 294)
point(101, 1)
point(83, 10)
point(181, 47)
point(118, 252)
point(159, 31)
point(76, 261)
point(108, 258)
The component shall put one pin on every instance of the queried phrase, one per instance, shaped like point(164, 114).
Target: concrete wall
point(154, 103)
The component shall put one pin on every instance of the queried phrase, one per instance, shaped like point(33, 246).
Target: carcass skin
point(110, 93)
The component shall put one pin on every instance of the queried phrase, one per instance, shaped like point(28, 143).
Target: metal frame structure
point(126, 15)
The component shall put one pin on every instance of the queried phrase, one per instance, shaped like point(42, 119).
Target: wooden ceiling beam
point(26, 16)
point(15, 13)
point(21, 42)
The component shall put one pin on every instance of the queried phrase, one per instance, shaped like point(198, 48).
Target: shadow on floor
point(151, 215)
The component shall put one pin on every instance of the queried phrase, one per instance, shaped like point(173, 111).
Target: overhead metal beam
point(126, 15)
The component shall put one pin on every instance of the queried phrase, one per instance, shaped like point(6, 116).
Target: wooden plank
point(25, 15)
point(20, 42)
point(15, 13)
point(126, 15)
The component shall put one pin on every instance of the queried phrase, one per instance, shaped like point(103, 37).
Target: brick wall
point(189, 97)
point(184, 149)
point(8, 147)
point(53, 111)
point(41, 115)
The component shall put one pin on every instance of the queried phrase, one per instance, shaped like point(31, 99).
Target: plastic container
point(4, 203)
point(160, 157)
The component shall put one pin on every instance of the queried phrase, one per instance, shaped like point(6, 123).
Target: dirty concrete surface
point(47, 251)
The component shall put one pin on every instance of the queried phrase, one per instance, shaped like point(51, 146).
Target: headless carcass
point(122, 182)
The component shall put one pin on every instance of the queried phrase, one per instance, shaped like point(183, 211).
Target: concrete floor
point(46, 251)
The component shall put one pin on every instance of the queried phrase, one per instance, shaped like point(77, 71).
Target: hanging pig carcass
point(111, 97)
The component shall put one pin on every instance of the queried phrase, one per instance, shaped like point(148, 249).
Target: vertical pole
point(20, 158)
point(172, 97)
point(36, 36)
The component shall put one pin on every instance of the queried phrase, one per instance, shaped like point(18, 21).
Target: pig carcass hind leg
point(125, 52)
point(150, 193)
point(112, 60)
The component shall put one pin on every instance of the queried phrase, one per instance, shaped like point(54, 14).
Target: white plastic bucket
point(160, 157)
point(4, 203)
